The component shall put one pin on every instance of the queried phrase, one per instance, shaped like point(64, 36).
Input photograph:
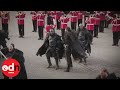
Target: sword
point(3, 55)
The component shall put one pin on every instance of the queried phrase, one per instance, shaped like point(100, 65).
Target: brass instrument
point(5, 14)
point(21, 13)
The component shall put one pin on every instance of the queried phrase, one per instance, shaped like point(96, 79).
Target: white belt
point(20, 18)
point(116, 24)
point(64, 23)
point(98, 18)
point(52, 15)
point(79, 13)
point(5, 18)
point(90, 24)
point(73, 16)
point(40, 20)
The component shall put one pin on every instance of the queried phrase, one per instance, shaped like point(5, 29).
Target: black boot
point(68, 69)
point(57, 65)
point(49, 62)
point(49, 66)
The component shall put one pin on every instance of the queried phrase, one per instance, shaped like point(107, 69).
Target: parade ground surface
point(103, 55)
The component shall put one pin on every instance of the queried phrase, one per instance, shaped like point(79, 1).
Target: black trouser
point(21, 30)
point(34, 25)
point(105, 23)
point(5, 28)
point(79, 22)
point(85, 24)
point(101, 27)
point(85, 19)
point(119, 34)
point(40, 31)
point(52, 52)
point(58, 24)
point(73, 26)
point(95, 30)
point(63, 33)
point(115, 38)
point(68, 52)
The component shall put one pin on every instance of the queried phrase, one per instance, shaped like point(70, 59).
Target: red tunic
point(20, 18)
point(40, 19)
point(97, 21)
point(34, 15)
point(102, 17)
point(5, 19)
point(58, 14)
point(115, 25)
point(74, 17)
point(90, 23)
point(118, 22)
point(80, 15)
point(64, 22)
point(48, 27)
point(52, 14)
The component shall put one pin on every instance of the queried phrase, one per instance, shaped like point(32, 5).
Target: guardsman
point(5, 18)
point(118, 22)
point(96, 26)
point(40, 23)
point(73, 19)
point(58, 15)
point(90, 24)
point(80, 17)
point(105, 20)
point(34, 20)
point(102, 20)
point(86, 16)
point(64, 23)
point(109, 17)
point(21, 16)
point(52, 14)
point(49, 19)
point(115, 29)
